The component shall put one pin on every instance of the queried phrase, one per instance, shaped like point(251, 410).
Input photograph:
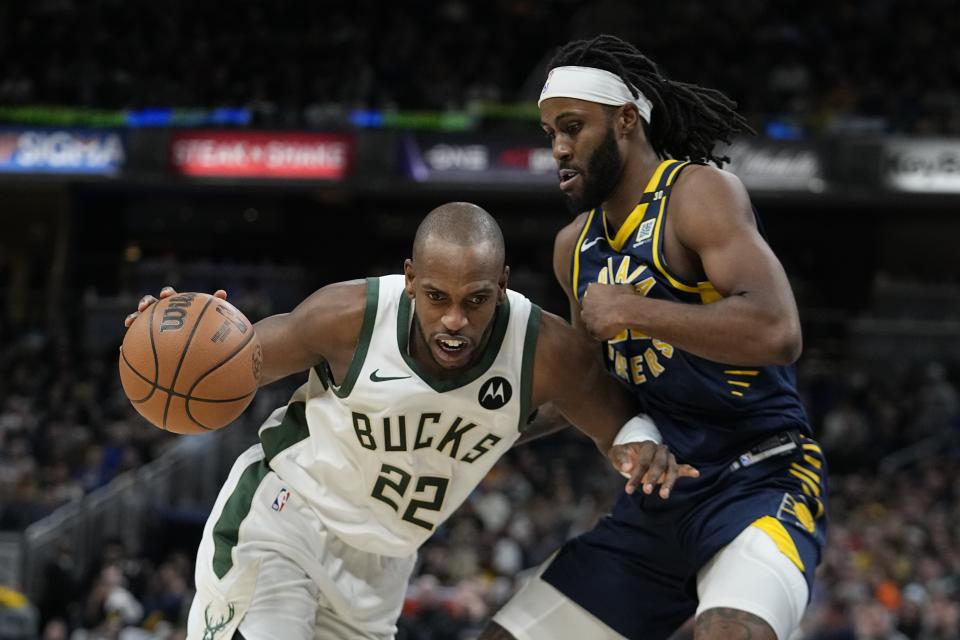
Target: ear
point(502, 285)
point(627, 119)
point(409, 275)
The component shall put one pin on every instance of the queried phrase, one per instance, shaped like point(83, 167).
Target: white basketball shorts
point(268, 567)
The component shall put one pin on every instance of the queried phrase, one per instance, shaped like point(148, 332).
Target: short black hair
point(687, 120)
point(460, 223)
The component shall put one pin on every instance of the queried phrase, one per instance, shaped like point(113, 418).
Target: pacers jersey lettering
point(706, 410)
point(389, 452)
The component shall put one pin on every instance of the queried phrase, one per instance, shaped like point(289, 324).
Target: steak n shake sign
point(262, 154)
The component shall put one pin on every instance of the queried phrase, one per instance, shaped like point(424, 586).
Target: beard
point(601, 177)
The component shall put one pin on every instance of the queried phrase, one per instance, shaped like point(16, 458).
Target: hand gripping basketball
point(190, 362)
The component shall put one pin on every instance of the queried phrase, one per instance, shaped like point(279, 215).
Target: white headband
point(594, 85)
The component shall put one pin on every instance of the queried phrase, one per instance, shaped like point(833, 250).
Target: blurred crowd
point(65, 427)
point(882, 65)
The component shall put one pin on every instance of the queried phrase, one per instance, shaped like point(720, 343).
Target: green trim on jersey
point(227, 530)
point(291, 430)
point(363, 344)
point(526, 368)
point(442, 384)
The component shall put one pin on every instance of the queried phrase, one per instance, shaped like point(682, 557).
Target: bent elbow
point(786, 343)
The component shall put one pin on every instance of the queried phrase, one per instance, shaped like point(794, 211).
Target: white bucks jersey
point(392, 451)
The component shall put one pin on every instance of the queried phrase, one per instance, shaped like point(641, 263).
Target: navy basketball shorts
point(636, 570)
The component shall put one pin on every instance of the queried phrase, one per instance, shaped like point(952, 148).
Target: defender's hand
point(600, 303)
point(649, 464)
point(166, 292)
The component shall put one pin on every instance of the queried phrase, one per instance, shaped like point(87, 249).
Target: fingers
point(686, 471)
point(642, 454)
point(674, 471)
point(657, 469)
point(145, 302)
point(668, 478)
point(647, 465)
point(220, 293)
point(148, 300)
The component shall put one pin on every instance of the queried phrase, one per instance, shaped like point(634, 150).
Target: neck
point(637, 171)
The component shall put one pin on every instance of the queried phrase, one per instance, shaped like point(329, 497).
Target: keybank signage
point(922, 166)
point(84, 151)
point(471, 159)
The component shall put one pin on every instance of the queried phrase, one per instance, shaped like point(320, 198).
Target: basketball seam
point(185, 396)
point(153, 350)
point(200, 378)
point(171, 391)
point(183, 356)
point(153, 383)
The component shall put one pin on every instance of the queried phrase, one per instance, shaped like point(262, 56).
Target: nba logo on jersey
point(645, 232)
point(281, 500)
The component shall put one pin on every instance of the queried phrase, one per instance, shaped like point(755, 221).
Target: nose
point(454, 319)
point(562, 151)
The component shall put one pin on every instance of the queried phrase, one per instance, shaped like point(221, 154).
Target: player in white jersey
point(417, 384)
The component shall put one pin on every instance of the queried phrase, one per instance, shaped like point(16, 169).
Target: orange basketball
point(190, 363)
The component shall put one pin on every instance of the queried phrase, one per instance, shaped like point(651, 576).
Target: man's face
point(589, 162)
point(456, 290)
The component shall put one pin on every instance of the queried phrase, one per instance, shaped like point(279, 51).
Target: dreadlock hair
point(688, 120)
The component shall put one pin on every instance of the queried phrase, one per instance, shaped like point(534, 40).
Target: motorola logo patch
point(495, 393)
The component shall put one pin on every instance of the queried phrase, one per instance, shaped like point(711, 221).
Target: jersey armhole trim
point(575, 263)
point(704, 288)
point(293, 428)
point(526, 368)
point(363, 344)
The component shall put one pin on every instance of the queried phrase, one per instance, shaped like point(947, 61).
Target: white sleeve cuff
point(639, 428)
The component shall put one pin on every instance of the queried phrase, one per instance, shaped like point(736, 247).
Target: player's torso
point(705, 409)
point(393, 451)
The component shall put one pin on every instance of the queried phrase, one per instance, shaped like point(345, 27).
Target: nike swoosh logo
point(587, 245)
point(375, 378)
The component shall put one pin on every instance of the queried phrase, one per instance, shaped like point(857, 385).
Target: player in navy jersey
point(666, 265)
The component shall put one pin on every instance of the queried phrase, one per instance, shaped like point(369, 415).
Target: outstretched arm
point(324, 327)
point(548, 418)
point(569, 373)
point(756, 320)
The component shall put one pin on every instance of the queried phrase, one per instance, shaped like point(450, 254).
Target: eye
point(549, 134)
point(478, 300)
point(434, 296)
point(574, 127)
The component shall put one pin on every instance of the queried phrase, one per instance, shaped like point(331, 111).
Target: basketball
point(190, 363)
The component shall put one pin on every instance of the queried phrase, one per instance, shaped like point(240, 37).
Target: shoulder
point(705, 188)
point(707, 201)
point(563, 246)
point(343, 299)
point(567, 236)
point(333, 315)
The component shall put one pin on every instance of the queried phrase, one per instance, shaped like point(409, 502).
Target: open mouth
point(567, 178)
point(451, 348)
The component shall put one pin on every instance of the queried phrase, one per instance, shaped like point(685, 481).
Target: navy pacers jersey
point(707, 411)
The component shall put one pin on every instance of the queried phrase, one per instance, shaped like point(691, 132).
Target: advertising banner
point(775, 166)
point(262, 154)
point(479, 159)
point(83, 151)
point(476, 159)
point(921, 166)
